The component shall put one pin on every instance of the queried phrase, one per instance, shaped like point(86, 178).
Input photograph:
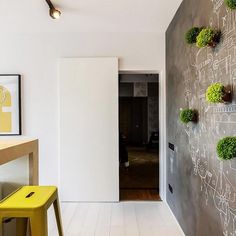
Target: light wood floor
point(116, 219)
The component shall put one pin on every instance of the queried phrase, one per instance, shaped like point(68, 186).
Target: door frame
point(162, 126)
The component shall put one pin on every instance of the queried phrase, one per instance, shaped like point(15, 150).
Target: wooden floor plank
point(120, 219)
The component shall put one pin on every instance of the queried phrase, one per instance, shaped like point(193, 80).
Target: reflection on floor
point(116, 219)
point(140, 180)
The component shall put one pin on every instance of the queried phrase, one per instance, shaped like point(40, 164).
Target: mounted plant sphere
point(226, 148)
point(207, 37)
point(191, 35)
point(187, 115)
point(215, 93)
point(231, 4)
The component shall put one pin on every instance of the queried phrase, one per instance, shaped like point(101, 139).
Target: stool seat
point(31, 202)
point(28, 197)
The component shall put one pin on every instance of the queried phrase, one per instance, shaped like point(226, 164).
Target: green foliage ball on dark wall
point(206, 37)
point(215, 93)
point(231, 4)
point(187, 115)
point(191, 35)
point(226, 148)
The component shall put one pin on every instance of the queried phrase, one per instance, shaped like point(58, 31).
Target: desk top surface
point(13, 141)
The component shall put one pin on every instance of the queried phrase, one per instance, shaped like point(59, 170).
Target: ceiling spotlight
point(53, 12)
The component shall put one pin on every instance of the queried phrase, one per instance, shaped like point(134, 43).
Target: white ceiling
point(88, 15)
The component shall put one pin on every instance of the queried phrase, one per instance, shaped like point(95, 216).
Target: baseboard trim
point(182, 232)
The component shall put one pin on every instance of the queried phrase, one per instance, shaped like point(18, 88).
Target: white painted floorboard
point(116, 219)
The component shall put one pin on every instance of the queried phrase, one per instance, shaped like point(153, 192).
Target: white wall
point(13, 174)
point(35, 57)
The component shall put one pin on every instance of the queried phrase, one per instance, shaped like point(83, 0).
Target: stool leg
point(56, 206)
point(1, 226)
point(39, 224)
point(21, 226)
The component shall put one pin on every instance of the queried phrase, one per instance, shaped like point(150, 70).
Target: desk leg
point(33, 168)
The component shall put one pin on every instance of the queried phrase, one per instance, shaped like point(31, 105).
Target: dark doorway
point(139, 137)
point(133, 119)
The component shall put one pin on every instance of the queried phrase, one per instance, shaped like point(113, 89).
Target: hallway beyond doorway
point(139, 136)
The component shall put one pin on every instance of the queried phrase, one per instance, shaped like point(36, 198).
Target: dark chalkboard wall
point(203, 188)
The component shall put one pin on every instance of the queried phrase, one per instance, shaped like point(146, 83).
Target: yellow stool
point(31, 202)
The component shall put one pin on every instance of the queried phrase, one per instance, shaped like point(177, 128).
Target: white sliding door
point(89, 165)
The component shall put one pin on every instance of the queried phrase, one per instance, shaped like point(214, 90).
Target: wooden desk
point(12, 149)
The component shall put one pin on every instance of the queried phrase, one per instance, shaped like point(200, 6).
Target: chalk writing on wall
point(215, 121)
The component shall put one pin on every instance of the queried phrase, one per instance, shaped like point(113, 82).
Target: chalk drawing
point(216, 121)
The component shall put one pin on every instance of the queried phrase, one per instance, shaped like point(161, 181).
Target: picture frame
point(10, 105)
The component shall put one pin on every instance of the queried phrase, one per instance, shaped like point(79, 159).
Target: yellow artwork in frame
point(10, 104)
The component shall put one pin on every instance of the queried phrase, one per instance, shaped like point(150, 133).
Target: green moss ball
point(191, 35)
point(231, 4)
point(226, 148)
point(215, 93)
point(205, 37)
point(186, 115)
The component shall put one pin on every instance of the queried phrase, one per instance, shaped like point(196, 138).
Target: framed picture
point(10, 104)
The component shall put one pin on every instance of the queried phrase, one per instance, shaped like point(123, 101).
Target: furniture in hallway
point(153, 141)
point(30, 204)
